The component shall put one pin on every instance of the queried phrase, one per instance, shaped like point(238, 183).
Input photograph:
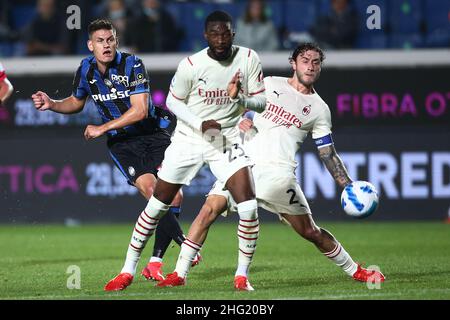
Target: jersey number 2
point(292, 201)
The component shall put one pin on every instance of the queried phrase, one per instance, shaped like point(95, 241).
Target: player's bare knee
point(147, 191)
point(206, 216)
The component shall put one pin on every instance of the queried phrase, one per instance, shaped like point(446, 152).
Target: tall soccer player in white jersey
point(294, 109)
point(209, 93)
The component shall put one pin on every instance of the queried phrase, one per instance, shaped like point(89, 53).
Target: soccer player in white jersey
point(209, 93)
point(293, 110)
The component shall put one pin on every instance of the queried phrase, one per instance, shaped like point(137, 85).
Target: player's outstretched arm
point(137, 112)
point(335, 165)
point(68, 105)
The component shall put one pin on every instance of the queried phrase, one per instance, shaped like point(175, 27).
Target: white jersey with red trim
point(2, 72)
point(201, 82)
point(283, 126)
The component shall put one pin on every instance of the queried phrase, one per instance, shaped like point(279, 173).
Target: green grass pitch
point(415, 257)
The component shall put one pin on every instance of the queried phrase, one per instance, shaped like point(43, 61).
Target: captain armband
point(324, 141)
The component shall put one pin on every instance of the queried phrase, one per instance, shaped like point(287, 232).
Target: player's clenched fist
point(245, 125)
point(93, 132)
point(41, 101)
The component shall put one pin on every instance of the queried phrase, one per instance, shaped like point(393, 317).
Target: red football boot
point(120, 282)
point(366, 275)
point(172, 280)
point(241, 284)
point(153, 271)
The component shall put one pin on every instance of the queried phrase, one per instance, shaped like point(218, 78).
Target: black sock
point(168, 229)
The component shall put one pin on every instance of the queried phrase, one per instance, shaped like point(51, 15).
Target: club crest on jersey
point(108, 83)
point(306, 110)
point(116, 78)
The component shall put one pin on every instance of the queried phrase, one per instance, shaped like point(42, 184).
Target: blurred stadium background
point(388, 90)
point(389, 94)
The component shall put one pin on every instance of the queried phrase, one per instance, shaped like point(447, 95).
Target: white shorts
point(276, 191)
point(189, 151)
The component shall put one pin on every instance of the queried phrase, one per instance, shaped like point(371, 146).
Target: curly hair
point(303, 47)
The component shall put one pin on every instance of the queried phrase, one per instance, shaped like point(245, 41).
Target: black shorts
point(135, 156)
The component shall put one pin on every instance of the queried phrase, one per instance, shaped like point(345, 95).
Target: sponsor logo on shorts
point(131, 171)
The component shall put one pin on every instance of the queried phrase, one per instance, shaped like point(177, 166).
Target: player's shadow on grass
point(212, 273)
point(301, 282)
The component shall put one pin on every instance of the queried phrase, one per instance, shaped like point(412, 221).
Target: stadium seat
point(236, 9)
point(192, 44)
point(376, 40)
point(21, 16)
point(175, 9)
point(406, 41)
point(361, 8)
point(275, 12)
point(300, 14)
point(324, 7)
point(193, 17)
point(6, 49)
point(437, 15)
point(405, 16)
point(439, 38)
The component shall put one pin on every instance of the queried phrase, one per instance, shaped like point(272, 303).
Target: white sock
point(242, 270)
point(189, 250)
point(143, 230)
point(342, 259)
point(156, 259)
point(248, 231)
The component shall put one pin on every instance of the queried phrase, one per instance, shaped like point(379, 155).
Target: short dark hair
point(100, 24)
point(218, 15)
point(303, 47)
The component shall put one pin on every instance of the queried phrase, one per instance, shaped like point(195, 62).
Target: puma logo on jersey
point(278, 94)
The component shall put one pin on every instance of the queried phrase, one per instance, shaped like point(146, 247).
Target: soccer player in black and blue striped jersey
point(119, 85)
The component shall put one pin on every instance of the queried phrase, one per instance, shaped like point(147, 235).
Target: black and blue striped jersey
point(125, 75)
